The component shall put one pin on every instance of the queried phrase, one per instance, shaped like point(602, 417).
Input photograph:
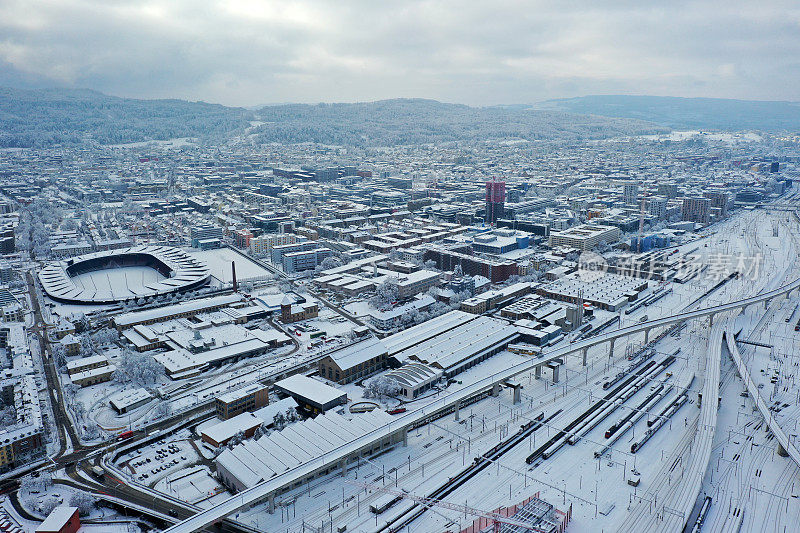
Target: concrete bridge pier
point(517, 394)
point(495, 389)
point(584, 352)
point(555, 373)
point(646, 335)
point(458, 411)
point(537, 372)
point(782, 451)
point(271, 503)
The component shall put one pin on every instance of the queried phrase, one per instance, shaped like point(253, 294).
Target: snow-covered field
point(219, 263)
point(107, 280)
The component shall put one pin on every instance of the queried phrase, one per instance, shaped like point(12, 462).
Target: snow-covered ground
point(150, 464)
point(597, 489)
point(219, 261)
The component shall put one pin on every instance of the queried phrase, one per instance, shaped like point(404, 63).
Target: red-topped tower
point(495, 200)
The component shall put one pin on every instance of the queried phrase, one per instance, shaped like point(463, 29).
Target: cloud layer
point(248, 52)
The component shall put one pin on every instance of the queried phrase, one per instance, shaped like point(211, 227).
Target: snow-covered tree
point(70, 390)
point(330, 262)
point(79, 409)
point(8, 416)
point(438, 308)
point(137, 368)
point(47, 505)
point(59, 355)
point(84, 502)
point(386, 293)
point(381, 387)
point(81, 323)
point(602, 247)
point(87, 345)
point(106, 336)
point(261, 431)
point(279, 421)
point(236, 439)
point(457, 298)
point(92, 431)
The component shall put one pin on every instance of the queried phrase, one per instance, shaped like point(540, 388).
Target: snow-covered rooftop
point(302, 386)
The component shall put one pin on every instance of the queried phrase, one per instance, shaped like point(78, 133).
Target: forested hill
point(417, 121)
point(688, 113)
point(47, 117)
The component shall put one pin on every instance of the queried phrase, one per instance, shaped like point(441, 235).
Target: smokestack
point(233, 272)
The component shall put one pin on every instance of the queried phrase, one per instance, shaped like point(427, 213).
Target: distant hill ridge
point(687, 113)
point(48, 117)
point(419, 121)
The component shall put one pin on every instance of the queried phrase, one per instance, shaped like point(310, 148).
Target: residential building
point(263, 244)
point(696, 209)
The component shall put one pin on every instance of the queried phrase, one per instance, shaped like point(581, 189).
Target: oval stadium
point(119, 275)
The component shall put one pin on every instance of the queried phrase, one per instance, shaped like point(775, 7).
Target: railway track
point(480, 463)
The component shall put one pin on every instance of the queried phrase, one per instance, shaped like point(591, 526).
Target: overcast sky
point(249, 52)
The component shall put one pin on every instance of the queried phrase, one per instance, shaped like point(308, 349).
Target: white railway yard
point(633, 441)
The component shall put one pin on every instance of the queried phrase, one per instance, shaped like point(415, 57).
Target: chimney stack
point(233, 271)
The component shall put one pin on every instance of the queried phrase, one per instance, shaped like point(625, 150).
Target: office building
point(585, 237)
point(495, 200)
point(249, 398)
point(202, 233)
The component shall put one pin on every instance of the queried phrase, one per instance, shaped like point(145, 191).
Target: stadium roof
point(185, 272)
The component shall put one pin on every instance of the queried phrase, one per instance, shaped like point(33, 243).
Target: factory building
point(354, 362)
point(310, 394)
point(454, 349)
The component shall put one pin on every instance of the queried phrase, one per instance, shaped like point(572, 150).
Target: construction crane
point(496, 518)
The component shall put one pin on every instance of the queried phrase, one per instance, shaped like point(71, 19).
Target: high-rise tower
point(495, 200)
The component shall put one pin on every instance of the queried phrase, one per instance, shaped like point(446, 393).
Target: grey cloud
point(247, 52)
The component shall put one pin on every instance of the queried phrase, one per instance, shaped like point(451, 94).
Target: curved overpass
point(267, 489)
point(752, 388)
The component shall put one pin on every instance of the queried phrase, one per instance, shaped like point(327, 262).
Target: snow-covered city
point(330, 303)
